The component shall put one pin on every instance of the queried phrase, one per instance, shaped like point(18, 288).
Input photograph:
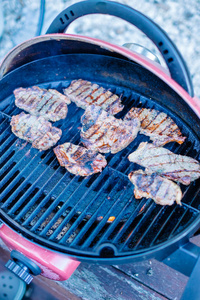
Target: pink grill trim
point(54, 265)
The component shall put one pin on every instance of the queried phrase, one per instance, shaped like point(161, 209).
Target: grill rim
point(185, 232)
point(157, 251)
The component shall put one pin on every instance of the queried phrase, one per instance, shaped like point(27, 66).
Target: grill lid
point(96, 216)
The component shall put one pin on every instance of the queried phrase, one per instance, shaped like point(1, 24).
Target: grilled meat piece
point(79, 160)
point(157, 125)
point(85, 93)
point(49, 104)
point(35, 130)
point(159, 160)
point(162, 190)
point(104, 133)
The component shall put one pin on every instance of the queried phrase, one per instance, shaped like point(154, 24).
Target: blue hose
point(41, 18)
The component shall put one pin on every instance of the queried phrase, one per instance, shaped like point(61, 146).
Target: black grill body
point(69, 213)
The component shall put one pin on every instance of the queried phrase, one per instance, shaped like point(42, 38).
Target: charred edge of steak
point(84, 93)
point(50, 104)
point(180, 168)
point(79, 160)
point(35, 130)
point(162, 190)
point(104, 133)
point(157, 125)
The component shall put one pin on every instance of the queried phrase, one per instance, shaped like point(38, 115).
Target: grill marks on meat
point(35, 130)
point(162, 190)
point(85, 93)
point(157, 125)
point(50, 104)
point(104, 133)
point(159, 160)
point(79, 160)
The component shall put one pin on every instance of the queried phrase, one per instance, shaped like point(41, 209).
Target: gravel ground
point(180, 19)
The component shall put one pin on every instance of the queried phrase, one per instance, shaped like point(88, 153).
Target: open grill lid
point(72, 214)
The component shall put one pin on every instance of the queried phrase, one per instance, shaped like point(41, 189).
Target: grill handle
point(174, 60)
point(22, 267)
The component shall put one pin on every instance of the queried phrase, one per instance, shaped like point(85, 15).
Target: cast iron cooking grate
point(71, 213)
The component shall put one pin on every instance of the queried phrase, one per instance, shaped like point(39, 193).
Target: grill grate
point(72, 213)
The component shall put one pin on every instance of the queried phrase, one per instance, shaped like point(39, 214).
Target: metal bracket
point(184, 258)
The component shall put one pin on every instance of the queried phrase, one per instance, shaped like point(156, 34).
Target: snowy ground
point(180, 19)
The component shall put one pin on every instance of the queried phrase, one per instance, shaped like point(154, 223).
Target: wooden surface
point(126, 282)
point(147, 280)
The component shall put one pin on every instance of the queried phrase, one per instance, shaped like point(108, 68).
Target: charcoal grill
point(57, 219)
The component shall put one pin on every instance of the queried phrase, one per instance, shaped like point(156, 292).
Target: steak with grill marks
point(157, 125)
point(35, 130)
point(162, 190)
point(50, 104)
point(160, 160)
point(104, 133)
point(85, 93)
point(79, 160)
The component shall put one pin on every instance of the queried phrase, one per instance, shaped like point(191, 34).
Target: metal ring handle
point(174, 60)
